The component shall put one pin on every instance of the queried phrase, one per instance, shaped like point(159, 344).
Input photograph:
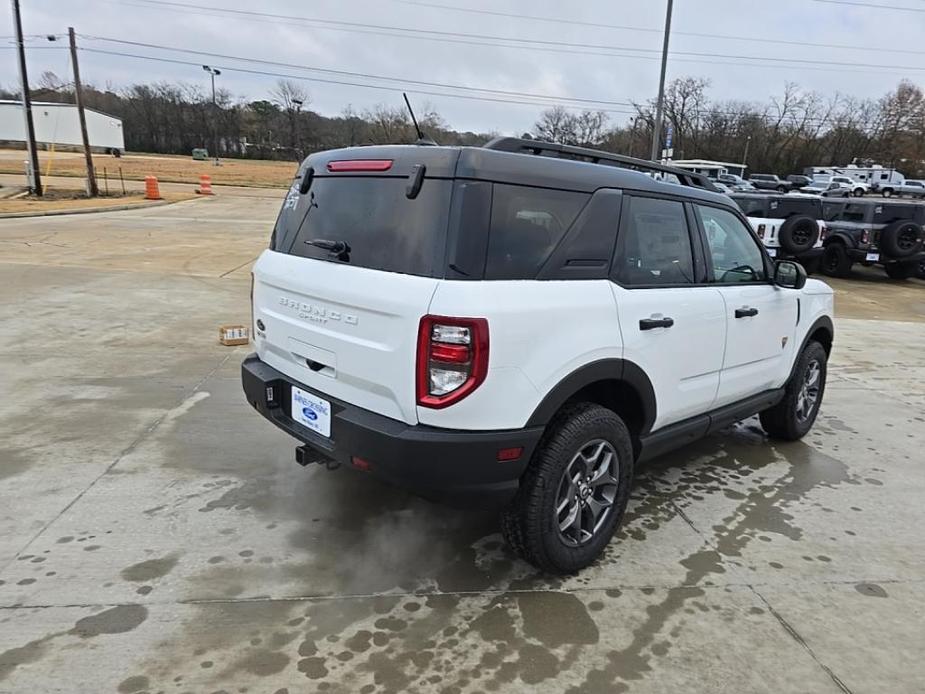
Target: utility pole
point(35, 178)
point(92, 188)
point(660, 104)
point(213, 72)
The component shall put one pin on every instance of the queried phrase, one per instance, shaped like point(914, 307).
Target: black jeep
point(873, 233)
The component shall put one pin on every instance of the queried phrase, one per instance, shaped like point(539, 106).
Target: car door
point(672, 323)
point(760, 316)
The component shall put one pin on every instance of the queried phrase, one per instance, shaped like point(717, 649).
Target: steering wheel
point(740, 270)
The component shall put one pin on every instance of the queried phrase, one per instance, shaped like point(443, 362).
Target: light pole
point(214, 72)
point(660, 104)
point(296, 140)
point(748, 141)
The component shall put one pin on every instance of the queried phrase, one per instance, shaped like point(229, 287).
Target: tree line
point(789, 133)
point(784, 135)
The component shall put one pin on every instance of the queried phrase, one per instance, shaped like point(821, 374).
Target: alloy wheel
point(586, 493)
point(808, 395)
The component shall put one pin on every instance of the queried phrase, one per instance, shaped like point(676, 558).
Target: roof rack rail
point(595, 156)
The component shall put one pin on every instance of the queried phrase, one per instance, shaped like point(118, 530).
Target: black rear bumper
point(454, 466)
point(860, 255)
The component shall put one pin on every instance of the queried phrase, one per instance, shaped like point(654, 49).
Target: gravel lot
point(156, 535)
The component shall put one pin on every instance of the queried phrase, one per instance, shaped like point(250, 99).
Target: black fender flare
point(601, 370)
point(840, 237)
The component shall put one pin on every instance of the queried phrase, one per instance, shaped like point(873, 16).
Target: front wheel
point(859, 192)
point(574, 492)
point(795, 414)
point(887, 192)
point(835, 260)
point(781, 189)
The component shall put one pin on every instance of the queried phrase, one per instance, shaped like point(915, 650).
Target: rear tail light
point(865, 237)
point(761, 229)
point(360, 165)
point(823, 231)
point(452, 359)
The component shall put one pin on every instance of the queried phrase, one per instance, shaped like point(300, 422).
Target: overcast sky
point(446, 59)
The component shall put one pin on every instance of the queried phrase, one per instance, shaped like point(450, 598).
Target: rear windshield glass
point(779, 208)
point(383, 228)
point(526, 225)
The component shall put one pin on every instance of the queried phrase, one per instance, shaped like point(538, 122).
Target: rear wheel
point(574, 493)
point(795, 414)
point(899, 271)
point(836, 261)
point(887, 192)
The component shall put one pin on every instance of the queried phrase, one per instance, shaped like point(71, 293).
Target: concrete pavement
point(156, 535)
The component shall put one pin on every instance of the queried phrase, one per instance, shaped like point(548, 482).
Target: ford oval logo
point(309, 413)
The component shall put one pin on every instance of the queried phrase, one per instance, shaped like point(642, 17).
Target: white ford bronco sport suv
point(524, 323)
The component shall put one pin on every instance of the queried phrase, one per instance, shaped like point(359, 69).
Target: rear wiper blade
point(341, 249)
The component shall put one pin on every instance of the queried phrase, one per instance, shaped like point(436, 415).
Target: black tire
point(858, 192)
point(798, 234)
point(781, 189)
point(901, 239)
point(793, 416)
point(900, 271)
point(836, 261)
point(920, 270)
point(887, 192)
point(530, 524)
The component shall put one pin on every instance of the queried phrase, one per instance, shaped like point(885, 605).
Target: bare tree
point(291, 97)
point(556, 124)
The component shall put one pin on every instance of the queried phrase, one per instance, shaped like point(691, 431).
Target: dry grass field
point(54, 201)
point(176, 169)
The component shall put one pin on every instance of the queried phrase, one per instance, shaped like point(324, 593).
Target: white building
point(710, 169)
point(58, 125)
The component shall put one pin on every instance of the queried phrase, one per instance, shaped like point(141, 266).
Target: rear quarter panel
point(539, 332)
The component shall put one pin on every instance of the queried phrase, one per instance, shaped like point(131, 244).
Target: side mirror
point(789, 275)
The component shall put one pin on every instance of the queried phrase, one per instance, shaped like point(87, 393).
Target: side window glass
point(526, 225)
point(654, 246)
point(735, 252)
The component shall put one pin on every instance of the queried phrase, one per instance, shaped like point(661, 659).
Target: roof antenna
point(422, 138)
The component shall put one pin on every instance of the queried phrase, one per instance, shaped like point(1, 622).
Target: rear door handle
point(652, 323)
point(746, 312)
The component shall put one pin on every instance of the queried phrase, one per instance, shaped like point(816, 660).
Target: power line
point(787, 63)
point(870, 4)
point(793, 119)
point(304, 78)
point(356, 74)
point(623, 27)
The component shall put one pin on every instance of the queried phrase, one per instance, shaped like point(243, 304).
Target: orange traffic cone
point(205, 185)
point(152, 190)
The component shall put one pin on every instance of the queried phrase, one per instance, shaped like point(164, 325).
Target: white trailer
point(874, 176)
point(58, 125)
point(709, 168)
